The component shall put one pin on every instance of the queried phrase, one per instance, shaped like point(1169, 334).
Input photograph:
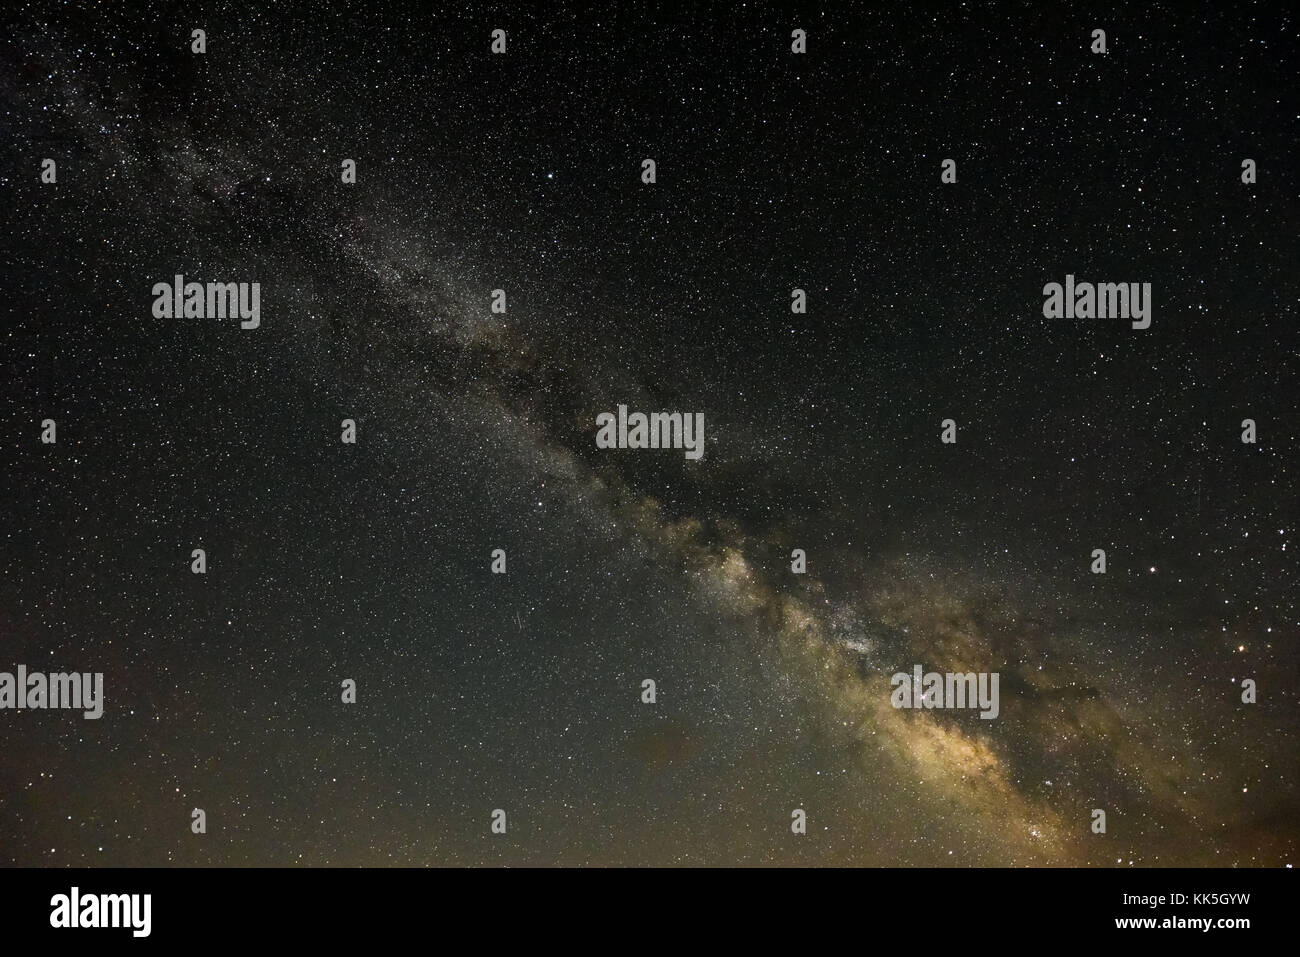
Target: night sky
point(476, 430)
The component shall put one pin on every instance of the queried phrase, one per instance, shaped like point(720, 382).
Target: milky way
point(476, 431)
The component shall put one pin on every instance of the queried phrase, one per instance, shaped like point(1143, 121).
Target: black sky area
point(476, 431)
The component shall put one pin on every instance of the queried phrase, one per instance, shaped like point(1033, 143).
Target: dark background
point(775, 171)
